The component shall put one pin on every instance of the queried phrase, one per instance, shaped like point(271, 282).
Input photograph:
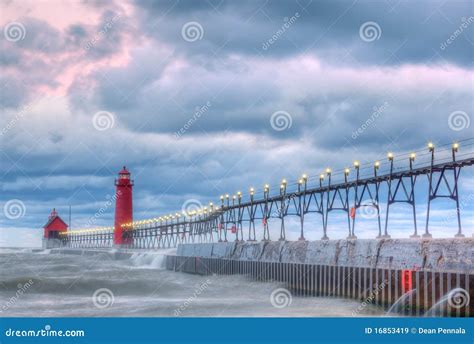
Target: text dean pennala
point(414, 330)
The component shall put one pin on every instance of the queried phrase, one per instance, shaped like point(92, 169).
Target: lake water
point(38, 283)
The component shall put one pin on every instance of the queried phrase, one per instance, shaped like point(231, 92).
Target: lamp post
point(377, 203)
point(328, 174)
point(239, 216)
point(252, 216)
point(221, 224)
point(431, 149)
point(389, 198)
point(302, 183)
point(454, 150)
point(352, 235)
point(266, 192)
point(412, 194)
point(282, 209)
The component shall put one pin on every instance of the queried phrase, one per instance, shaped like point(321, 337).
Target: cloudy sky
point(200, 98)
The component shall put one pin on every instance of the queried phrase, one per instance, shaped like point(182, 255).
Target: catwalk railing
point(396, 180)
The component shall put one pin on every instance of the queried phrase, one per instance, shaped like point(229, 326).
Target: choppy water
point(44, 284)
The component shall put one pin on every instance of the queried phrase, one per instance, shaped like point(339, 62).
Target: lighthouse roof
point(55, 217)
point(124, 171)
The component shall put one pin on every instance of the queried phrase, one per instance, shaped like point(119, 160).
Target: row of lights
point(204, 210)
point(328, 172)
point(266, 187)
point(88, 230)
point(266, 190)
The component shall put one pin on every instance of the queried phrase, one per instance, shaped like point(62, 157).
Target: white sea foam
point(152, 259)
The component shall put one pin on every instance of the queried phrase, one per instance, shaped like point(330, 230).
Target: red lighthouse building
point(53, 228)
point(123, 207)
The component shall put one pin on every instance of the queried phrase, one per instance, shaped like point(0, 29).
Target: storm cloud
point(185, 94)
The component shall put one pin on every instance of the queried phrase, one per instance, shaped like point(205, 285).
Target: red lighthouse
point(123, 207)
point(54, 226)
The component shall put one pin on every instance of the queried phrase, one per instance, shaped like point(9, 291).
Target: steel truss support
point(438, 177)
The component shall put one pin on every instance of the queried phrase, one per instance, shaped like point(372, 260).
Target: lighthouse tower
point(123, 207)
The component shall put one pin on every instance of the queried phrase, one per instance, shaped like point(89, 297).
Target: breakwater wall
point(415, 276)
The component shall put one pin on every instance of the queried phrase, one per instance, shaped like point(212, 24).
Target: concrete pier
point(379, 271)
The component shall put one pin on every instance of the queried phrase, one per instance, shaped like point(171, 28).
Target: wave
point(6, 250)
point(148, 260)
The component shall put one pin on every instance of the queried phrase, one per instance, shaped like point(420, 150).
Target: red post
point(407, 281)
point(353, 213)
point(123, 207)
